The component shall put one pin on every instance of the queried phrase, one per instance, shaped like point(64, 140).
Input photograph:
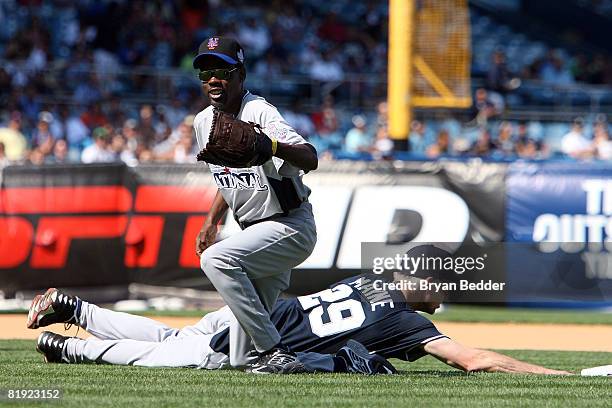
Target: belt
point(246, 224)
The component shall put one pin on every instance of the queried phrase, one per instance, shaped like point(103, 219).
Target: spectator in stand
point(42, 136)
point(383, 146)
point(255, 37)
point(161, 126)
point(146, 128)
point(60, 117)
point(504, 142)
point(12, 139)
point(374, 20)
point(326, 68)
point(30, 102)
point(76, 132)
point(309, 55)
point(525, 146)
point(87, 91)
point(145, 156)
point(327, 126)
point(184, 150)
point(4, 161)
point(119, 150)
point(382, 114)
point(133, 141)
point(94, 117)
point(333, 29)
point(483, 146)
point(484, 108)
point(602, 142)
point(555, 71)
point(357, 139)
point(574, 144)
point(175, 112)
point(98, 152)
point(269, 66)
point(522, 134)
point(60, 153)
point(114, 111)
point(166, 150)
point(442, 146)
point(36, 157)
point(301, 122)
point(289, 24)
point(420, 138)
point(499, 78)
point(532, 150)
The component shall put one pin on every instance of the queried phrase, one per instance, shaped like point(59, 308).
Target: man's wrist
point(213, 219)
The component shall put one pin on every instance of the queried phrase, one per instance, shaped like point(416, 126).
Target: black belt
point(247, 224)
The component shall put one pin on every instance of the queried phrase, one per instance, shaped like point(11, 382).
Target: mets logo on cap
point(213, 43)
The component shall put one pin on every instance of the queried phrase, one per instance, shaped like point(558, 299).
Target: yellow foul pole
point(400, 71)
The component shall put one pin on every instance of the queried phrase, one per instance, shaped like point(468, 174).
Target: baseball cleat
point(296, 367)
point(51, 345)
point(277, 361)
point(359, 360)
point(53, 307)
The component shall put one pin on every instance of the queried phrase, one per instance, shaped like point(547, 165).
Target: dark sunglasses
point(222, 74)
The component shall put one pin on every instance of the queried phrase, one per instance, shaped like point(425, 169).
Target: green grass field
point(461, 313)
point(426, 382)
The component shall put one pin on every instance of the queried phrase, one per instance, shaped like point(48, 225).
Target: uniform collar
point(246, 93)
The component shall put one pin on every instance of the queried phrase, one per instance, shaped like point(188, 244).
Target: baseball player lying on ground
point(316, 326)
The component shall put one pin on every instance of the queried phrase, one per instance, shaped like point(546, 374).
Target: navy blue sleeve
point(410, 332)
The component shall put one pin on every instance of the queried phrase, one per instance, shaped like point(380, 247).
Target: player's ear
point(242, 71)
point(427, 294)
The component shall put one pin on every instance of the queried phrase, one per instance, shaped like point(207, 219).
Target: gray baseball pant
point(251, 268)
point(126, 339)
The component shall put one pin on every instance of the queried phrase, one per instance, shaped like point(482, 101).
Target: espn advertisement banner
point(104, 225)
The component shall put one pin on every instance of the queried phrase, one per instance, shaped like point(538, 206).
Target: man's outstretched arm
point(470, 359)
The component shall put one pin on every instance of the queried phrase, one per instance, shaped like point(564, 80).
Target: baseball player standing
point(269, 201)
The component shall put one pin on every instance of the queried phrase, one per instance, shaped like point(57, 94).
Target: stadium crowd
point(63, 101)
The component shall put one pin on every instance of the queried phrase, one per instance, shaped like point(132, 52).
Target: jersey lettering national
point(247, 180)
point(350, 309)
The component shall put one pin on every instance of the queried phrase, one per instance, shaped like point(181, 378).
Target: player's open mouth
point(215, 93)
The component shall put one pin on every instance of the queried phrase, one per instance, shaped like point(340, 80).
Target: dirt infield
point(483, 335)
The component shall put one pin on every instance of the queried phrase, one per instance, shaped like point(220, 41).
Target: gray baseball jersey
point(256, 192)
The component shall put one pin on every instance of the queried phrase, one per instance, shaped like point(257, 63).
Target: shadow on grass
point(15, 348)
point(432, 373)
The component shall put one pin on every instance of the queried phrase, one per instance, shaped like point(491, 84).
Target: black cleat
point(51, 345)
point(53, 307)
point(359, 360)
point(297, 367)
point(277, 361)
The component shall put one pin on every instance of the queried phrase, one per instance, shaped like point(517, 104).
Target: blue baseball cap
point(225, 48)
